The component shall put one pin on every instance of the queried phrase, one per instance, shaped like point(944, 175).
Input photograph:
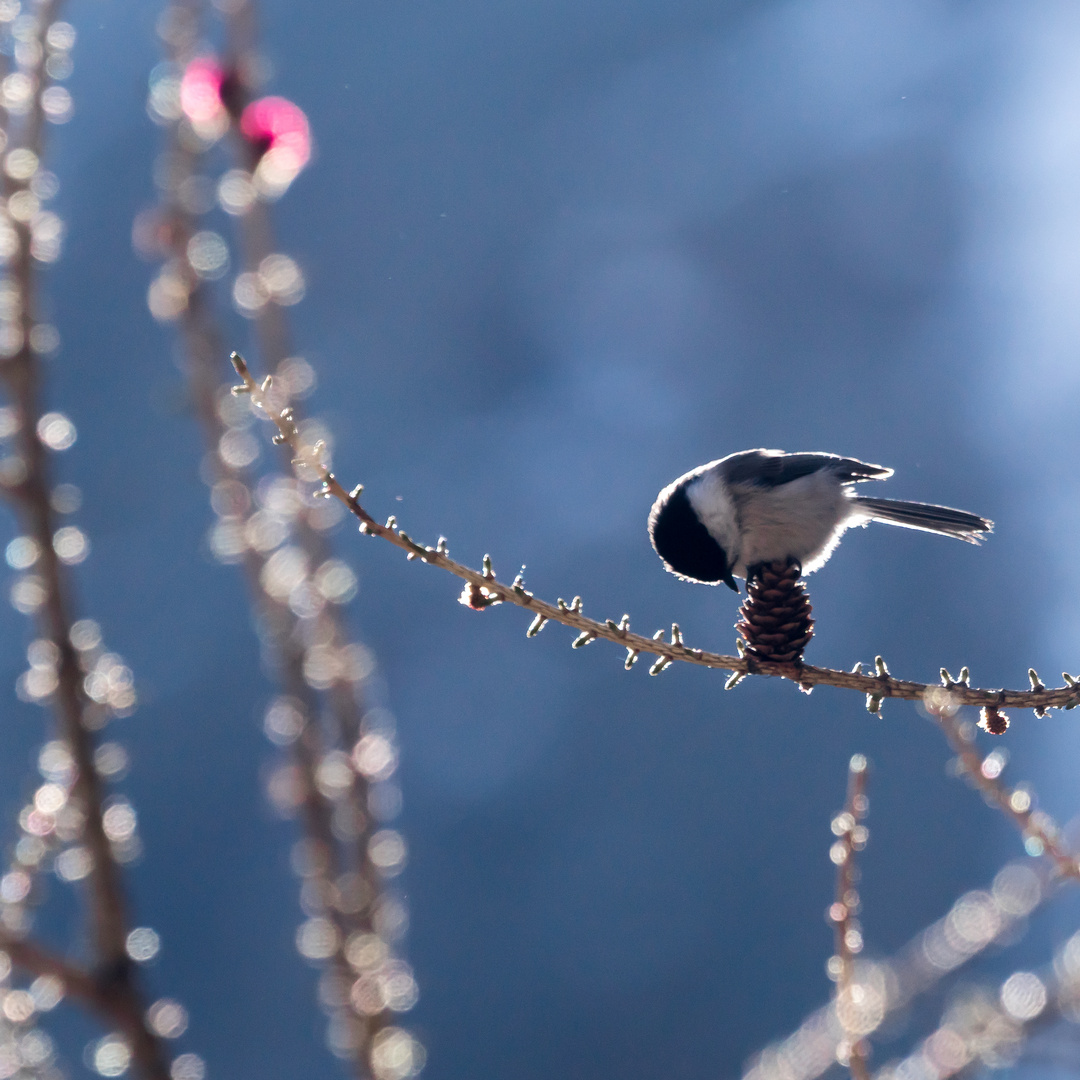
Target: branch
point(977, 920)
point(331, 714)
point(990, 1029)
point(849, 994)
point(483, 589)
point(115, 985)
point(38, 961)
point(933, 954)
point(109, 992)
point(1040, 832)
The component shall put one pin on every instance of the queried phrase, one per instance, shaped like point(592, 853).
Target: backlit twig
point(112, 989)
point(1041, 834)
point(483, 589)
point(849, 992)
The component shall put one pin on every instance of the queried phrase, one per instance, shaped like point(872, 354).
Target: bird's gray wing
point(770, 468)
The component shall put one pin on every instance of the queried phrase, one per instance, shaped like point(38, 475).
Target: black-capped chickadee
point(730, 517)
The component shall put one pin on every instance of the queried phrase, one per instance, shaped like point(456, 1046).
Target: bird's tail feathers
point(937, 519)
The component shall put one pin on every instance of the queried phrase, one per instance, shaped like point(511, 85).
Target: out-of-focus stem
point(115, 990)
point(843, 914)
point(1030, 824)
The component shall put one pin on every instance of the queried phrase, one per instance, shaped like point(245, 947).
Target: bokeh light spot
point(396, 1055)
point(47, 992)
point(200, 91)
point(375, 757)
point(163, 102)
point(110, 1056)
point(1020, 800)
point(21, 164)
point(14, 886)
point(74, 864)
point(22, 552)
point(18, 1006)
point(60, 36)
point(168, 1018)
point(365, 952)
point(387, 852)
point(143, 944)
point(317, 939)
point(284, 570)
point(167, 296)
point(9, 422)
point(16, 93)
point(283, 722)
point(44, 339)
point(65, 498)
point(110, 760)
point(249, 294)
point(56, 763)
point(188, 1067)
point(56, 102)
point(85, 635)
point(71, 545)
point(56, 431)
point(49, 798)
point(119, 821)
point(28, 593)
point(281, 128)
point(1017, 890)
point(238, 448)
point(236, 192)
point(208, 254)
point(281, 279)
point(1023, 995)
point(336, 581)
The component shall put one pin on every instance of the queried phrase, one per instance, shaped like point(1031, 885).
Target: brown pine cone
point(775, 619)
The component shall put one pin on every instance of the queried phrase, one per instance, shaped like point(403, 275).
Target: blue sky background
point(556, 254)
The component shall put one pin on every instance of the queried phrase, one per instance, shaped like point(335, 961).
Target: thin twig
point(339, 703)
point(39, 961)
point(809, 1051)
point(1017, 804)
point(100, 992)
point(934, 952)
point(116, 990)
point(484, 589)
point(991, 1028)
point(842, 913)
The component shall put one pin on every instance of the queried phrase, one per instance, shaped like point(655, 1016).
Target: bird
point(730, 517)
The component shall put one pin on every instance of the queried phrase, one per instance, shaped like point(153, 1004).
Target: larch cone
point(774, 620)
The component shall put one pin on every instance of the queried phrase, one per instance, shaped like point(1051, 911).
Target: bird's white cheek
point(716, 511)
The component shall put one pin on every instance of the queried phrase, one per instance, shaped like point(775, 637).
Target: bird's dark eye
point(686, 546)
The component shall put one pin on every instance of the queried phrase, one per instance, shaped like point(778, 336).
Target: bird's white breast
point(801, 520)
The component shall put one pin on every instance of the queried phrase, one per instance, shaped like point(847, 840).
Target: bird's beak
point(729, 581)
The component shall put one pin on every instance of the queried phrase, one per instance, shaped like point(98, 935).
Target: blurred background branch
point(58, 667)
point(342, 748)
point(851, 997)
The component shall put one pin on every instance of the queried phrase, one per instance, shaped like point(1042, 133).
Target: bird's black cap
point(682, 541)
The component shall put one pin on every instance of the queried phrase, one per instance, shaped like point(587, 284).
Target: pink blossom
point(282, 129)
point(200, 90)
